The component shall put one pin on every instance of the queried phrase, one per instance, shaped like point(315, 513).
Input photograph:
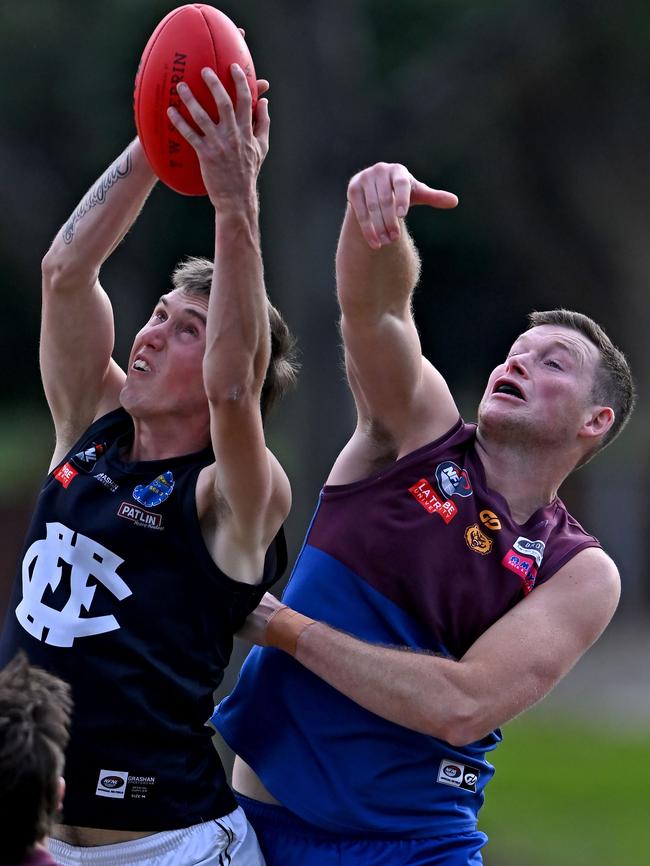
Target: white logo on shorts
point(86, 558)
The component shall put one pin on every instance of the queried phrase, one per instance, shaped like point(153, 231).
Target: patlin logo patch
point(140, 516)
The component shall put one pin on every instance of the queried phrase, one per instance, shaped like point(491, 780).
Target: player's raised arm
point(397, 392)
point(246, 479)
point(81, 380)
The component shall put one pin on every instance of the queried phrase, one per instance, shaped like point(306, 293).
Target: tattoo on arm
point(97, 194)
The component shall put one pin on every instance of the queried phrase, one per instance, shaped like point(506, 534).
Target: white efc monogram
point(86, 558)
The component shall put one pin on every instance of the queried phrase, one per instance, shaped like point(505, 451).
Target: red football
point(188, 39)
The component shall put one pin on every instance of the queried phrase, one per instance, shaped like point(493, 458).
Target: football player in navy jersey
point(442, 588)
point(160, 524)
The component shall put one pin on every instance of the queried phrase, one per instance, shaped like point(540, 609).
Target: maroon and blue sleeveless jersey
point(117, 594)
point(421, 555)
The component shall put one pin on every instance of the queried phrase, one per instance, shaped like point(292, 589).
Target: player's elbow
point(231, 392)
point(466, 714)
point(462, 732)
point(51, 270)
point(463, 723)
point(231, 388)
point(60, 274)
point(233, 373)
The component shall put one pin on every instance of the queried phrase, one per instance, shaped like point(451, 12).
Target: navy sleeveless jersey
point(118, 595)
point(420, 555)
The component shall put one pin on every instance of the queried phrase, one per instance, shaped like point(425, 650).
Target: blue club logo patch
point(156, 492)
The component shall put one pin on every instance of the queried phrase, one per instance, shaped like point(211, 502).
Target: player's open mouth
point(141, 366)
point(509, 389)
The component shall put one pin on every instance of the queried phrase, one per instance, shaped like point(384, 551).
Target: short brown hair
point(35, 709)
point(193, 276)
point(613, 385)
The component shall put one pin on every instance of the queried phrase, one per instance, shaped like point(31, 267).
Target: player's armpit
point(242, 500)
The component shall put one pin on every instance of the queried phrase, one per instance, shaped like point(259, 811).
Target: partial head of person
point(564, 388)
point(35, 709)
point(182, 389)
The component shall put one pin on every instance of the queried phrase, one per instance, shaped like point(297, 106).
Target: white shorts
point(227, 841)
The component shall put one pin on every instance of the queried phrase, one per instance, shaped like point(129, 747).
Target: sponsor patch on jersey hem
point(458, 775)
point(112, 783)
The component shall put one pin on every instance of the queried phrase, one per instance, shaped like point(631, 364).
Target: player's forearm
point(100, 221)
point(374, 282)
point(510, 667)
point(237, 336)
point(421, 691)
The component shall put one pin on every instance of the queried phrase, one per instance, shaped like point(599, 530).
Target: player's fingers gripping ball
point(187, 40)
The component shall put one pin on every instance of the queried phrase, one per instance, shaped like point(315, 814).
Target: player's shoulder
point(594, 567)
point(72, 436)
point(583, 594)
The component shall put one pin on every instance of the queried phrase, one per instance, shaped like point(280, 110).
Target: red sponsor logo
point(429, 500)
point(65, 474)
point(139, 516)
point(524, 567)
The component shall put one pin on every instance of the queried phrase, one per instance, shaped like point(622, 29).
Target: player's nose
point(516, 365)
point(155, 336)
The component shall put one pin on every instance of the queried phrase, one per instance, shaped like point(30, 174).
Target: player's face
point(165, 373)
point(542, 392)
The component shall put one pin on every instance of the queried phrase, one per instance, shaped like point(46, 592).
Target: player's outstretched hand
point(232, 150)
point(381, 195)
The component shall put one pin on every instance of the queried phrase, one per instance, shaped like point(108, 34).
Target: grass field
point(564, 795)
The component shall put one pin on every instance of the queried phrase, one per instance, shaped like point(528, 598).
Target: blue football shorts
point(287, 840)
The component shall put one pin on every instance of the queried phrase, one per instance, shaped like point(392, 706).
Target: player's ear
point(598, 422)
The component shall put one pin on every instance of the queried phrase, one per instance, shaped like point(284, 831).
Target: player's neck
point(163, 437)
point(528, 479)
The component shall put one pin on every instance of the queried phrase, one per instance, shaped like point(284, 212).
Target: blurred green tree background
point(534, 111)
